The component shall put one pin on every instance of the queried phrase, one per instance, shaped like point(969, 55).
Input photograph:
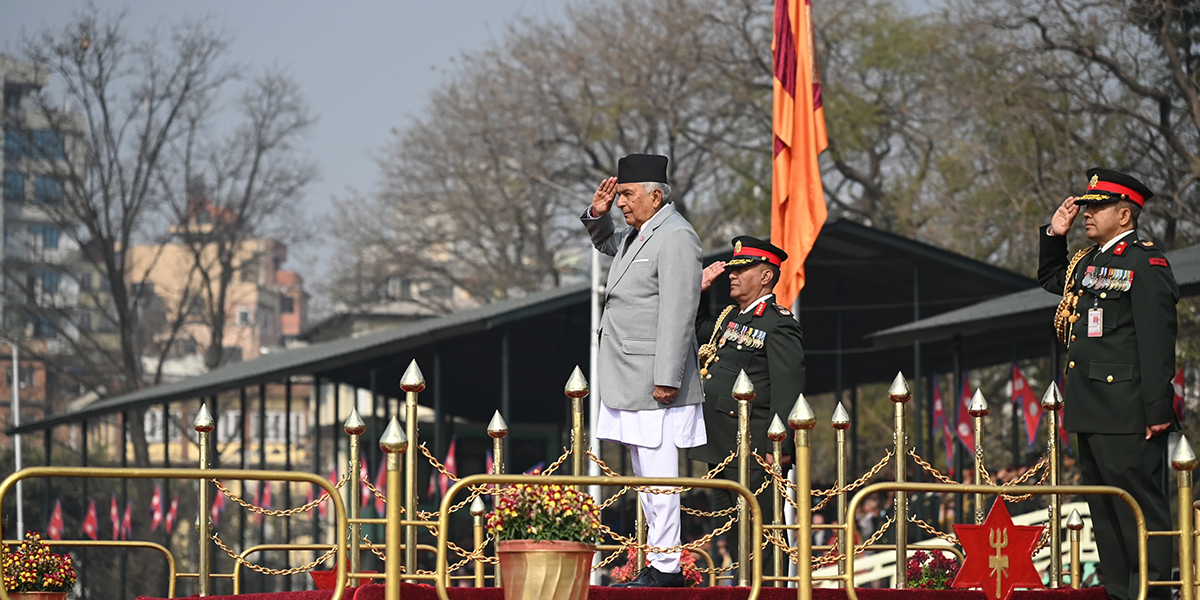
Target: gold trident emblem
point(998, 538)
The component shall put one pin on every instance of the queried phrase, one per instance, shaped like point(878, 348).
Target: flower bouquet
point(545, 538)
point(32, 569)
point(931, 572)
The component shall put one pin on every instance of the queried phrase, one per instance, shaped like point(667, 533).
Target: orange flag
point(797, 198)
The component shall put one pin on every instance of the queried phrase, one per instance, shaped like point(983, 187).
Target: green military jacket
point(775, 365)
point(1120, 381)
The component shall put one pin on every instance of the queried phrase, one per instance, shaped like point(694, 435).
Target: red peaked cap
point(1106, 185)
point(751, 251)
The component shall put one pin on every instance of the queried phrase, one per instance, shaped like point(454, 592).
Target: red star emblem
point(999, 555)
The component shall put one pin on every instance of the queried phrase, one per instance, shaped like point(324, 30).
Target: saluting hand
point(605, 194)
point(710, 274)
point(1060, 224)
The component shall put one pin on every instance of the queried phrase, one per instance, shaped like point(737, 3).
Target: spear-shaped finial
point(577, 384)
point(899, 390)
point(354, 424)
point(204, 422)
point(841, 418)
point(777, 432)
point(497, 427)
point(1184, 459)
point(743, 388)
point(1052, 399)
point(802, 416)
point(412, 380)
point(393, 440)
point(978, 406)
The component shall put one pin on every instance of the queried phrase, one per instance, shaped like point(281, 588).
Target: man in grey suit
point(649, 381)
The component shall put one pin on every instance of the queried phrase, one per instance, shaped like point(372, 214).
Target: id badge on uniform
point(1095, 322)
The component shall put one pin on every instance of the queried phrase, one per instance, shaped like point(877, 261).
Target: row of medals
point(1108, 279)
point(743, 335)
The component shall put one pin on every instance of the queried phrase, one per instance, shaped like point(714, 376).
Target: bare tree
point(126, 99)
point(225, 193)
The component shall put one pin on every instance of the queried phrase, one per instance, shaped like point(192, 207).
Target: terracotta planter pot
point(37, 595)
point(545, 570)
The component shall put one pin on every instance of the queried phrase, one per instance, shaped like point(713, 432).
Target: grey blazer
point(647, 332)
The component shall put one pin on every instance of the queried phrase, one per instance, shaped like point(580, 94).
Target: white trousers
point(662, 510)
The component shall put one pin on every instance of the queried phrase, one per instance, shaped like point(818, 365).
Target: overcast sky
point(366, 66)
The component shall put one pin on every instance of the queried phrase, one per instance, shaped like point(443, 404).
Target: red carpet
point(422, 592)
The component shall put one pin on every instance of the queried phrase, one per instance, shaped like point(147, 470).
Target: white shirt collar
point(757, 302)
point(1114, 241)
point(650, 222)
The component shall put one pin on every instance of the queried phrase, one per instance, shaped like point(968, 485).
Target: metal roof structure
point(516, 354)
point(1017, 325)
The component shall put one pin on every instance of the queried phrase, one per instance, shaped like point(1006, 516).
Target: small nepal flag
point(127, 521)
point(798, 208)
point(381, 485)
point(1177, 383)
point(218, 507)
point(115, 514)
point(333, 479)
point(1028, 403)
point(55, 528)
point(941, 424)
point(91, 525)
point(156, 509)
point(364, 490)
point(966, 435)
point(173, 513)
point(451, 465)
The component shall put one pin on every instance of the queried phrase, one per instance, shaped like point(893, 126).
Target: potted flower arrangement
point(546, 536)
point(931, 572)
point(627, 572)
point(32, 572)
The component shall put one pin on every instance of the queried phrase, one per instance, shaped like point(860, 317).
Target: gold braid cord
point(709, 351)
point(1065, 317)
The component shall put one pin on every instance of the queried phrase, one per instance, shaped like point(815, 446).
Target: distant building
point(39, 251)
point(265, 304)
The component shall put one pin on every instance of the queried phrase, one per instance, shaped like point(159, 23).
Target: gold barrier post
point(339, 506)
point(394, 443)
point(413, 383)
point(841, 422)
point(497, 429)
point(802, 420)
point(978, 409)
point(466, 484)
point(355, 427)
point(1184, 462)
point(1075, 525)
point(640, 525)
point(1052, 403)
point(1139, 517)
point(204, 425)
point(777, 433)
point(899, 393)
point(577, 389)
point(478, 514)
point(743, 392)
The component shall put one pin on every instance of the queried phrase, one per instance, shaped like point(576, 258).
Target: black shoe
point(653, 578)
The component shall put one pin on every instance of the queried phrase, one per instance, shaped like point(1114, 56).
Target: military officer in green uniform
point(756, 335)
point(1117, 318)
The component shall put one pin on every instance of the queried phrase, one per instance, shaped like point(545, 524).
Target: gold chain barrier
point(398, 550)
point(339, 506)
